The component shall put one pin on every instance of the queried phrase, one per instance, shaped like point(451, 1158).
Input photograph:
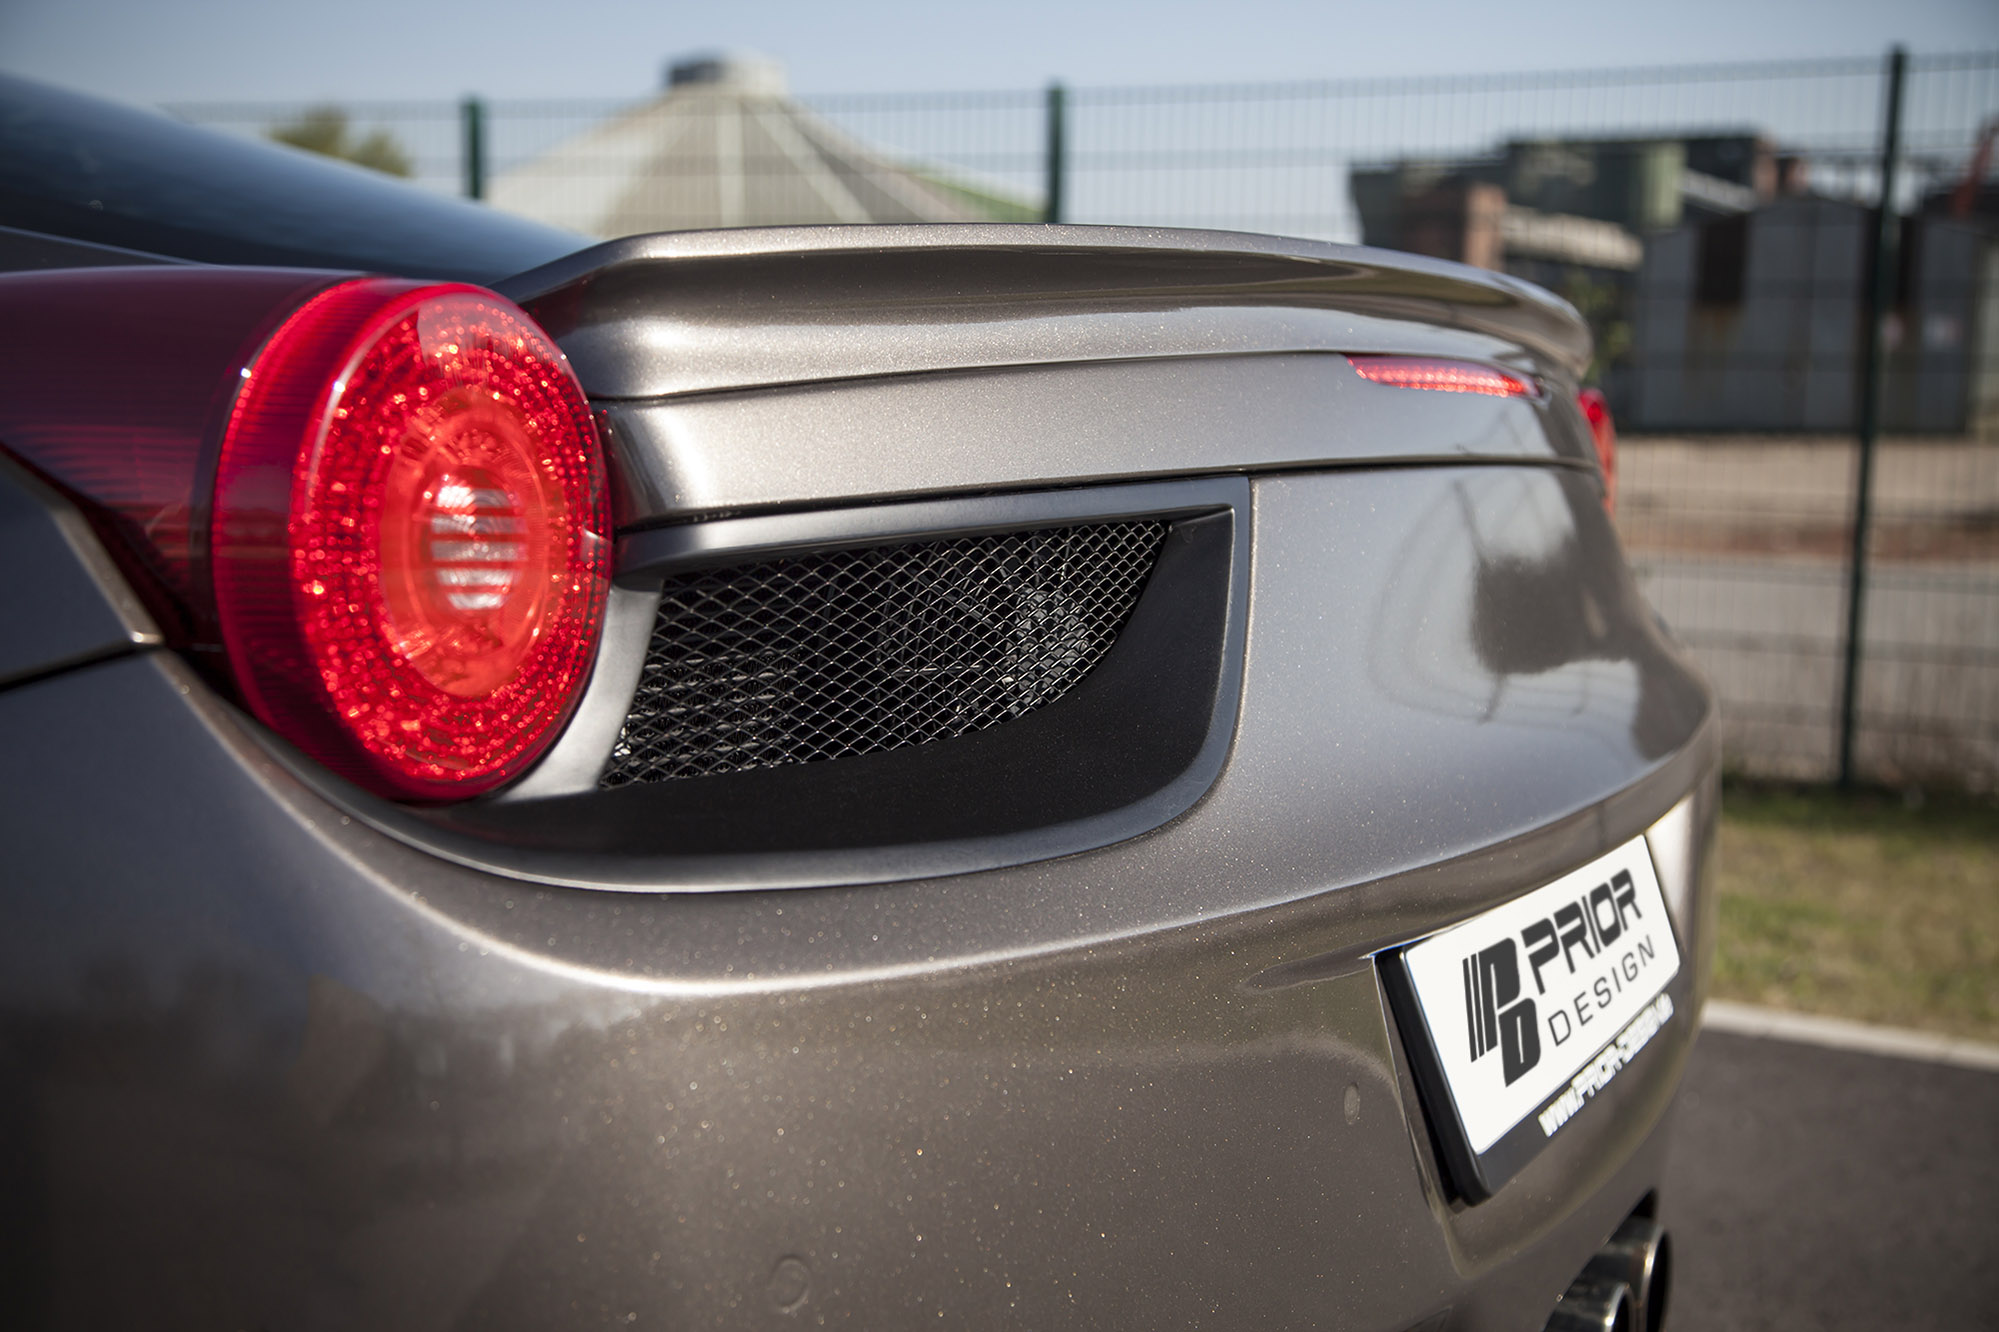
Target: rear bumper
point(273, 1066)
point(285, 1081)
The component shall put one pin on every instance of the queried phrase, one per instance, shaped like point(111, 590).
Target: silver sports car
point(896, 777)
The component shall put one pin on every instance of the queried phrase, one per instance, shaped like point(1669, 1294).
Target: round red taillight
point(411, 537)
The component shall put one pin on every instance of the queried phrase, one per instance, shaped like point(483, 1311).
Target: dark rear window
point(96, 171)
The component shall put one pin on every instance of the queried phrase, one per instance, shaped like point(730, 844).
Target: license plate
point(1525, 1012)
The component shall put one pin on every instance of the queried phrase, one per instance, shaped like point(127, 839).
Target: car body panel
point(272, 1054)
point(61, 597)
point(97, 171)
point(1155, 1082)
point(462, 1122)
point(1085, 424)
point(699, 311)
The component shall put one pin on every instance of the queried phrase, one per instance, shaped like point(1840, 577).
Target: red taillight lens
point(411, 536)
point(1596, 410)
point(112, 383)
point(1442, 376)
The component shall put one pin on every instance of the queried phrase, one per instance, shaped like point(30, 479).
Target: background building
point(1724, 294)
point(1756, 323)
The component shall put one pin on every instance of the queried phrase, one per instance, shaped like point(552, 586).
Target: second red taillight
point(1603, 432)
point(411, 537)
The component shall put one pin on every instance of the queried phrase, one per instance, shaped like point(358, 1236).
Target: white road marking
point(1839, 1034)
point(831, 190)
point(729, 162)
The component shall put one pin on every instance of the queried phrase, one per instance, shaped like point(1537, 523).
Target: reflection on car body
point(1042, 690)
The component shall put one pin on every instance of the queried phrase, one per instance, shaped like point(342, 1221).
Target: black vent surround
point(883, 692)
point(832, 655)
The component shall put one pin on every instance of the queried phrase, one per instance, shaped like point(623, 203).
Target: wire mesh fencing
point(1720, 228)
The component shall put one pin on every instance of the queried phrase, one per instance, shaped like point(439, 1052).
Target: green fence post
point(1873, 371)
point(1058, 146)
point(472, 115)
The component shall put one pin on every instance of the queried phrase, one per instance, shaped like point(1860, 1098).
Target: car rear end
point(1121, 780)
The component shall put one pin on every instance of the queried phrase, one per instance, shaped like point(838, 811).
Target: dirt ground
point(1741, 544)
point(1753, 494)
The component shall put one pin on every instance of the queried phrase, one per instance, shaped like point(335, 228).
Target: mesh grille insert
point(825, 656)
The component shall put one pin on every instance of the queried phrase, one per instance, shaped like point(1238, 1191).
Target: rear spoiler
point(689, 312)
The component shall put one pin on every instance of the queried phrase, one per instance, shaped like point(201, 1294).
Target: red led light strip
point(1442, 376)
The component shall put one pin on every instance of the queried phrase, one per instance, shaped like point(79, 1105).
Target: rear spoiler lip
point(841, 279)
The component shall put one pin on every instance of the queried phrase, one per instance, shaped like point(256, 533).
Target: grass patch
point(1862, 905)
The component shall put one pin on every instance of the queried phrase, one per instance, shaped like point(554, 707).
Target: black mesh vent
point(825, 656)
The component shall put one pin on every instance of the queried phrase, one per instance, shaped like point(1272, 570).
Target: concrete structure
point(1723, 295)
point(1570, 214)
point(1755, 323)
point(1584, 201)
point(724, 146)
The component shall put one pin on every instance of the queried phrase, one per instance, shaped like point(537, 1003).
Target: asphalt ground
point(1829, 1189)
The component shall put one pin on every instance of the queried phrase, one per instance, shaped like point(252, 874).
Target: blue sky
point(187, 50)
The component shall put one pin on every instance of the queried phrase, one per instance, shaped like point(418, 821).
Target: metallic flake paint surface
point(335, 1081)
point(61, 598)
point(1051, 425)
point(687, 312)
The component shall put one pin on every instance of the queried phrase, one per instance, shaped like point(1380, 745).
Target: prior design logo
point(1492, 984)
point(1540, 983)
point(1496, 1013)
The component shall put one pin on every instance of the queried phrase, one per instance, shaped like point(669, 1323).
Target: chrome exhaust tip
point(1640, 1255)
point(1592, 1305)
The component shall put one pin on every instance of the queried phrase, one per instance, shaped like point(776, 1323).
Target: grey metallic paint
point(62, 599)
point(1107, 1090)
point(262, 1063)
point(1061, 425)
point(688, 312)
point(810, 366)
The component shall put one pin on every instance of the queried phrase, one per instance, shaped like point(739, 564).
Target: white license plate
point(1531, 1008)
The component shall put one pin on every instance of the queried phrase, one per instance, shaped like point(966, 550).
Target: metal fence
point(1765, 332)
